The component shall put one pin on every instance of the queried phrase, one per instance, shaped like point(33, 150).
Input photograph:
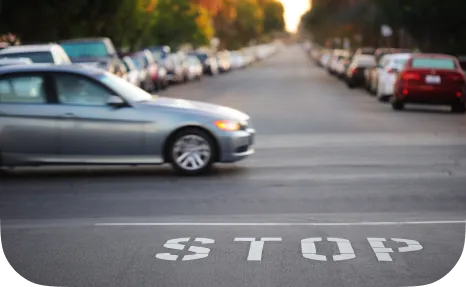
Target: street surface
point(342, 191)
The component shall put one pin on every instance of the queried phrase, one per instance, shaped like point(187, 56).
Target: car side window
point(78, 90)
point(23, 90)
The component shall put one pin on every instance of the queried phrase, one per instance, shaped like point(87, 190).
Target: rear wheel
point(192, 152)
point(459, 108)
point(397, 105)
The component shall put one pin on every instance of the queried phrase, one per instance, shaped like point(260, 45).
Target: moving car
point(391, 65)
point(43, 54)
point(79, 115)
point(434, 79)
point(355, 74)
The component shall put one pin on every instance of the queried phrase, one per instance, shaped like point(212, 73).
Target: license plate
point(430, 79)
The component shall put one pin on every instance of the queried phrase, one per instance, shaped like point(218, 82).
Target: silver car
point(77, 115)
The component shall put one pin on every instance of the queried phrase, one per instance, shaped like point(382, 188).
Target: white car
point(390, 66)
point(194, 68)
point(45, 54)
point(325, 59)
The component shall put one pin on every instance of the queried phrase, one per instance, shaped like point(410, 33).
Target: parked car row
point(399, 76)
point(152, 69)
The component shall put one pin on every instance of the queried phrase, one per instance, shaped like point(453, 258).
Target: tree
point(273, 16)
point(181, 21)
point(248, 24)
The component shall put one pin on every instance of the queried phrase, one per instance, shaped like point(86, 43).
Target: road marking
point(388, 223)
point(309, 250)
point(383, 253)
point(256, 247)
point(175, 244)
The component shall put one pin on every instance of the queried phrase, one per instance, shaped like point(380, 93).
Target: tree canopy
point(135, 23)
point(435, 26)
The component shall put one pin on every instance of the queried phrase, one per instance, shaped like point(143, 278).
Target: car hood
point(205, 108)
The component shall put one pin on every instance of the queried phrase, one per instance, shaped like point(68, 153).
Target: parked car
point(372, 75)
point(14, 61)
point(355, 74)
point(209, 63)
point(195, 71)
point(133, 74)
point(146, 82)
point(224, 61)
point(43, 54)
point(95, 52)
point(391, 65)
point(237, 60)
point(153, 69)
point(341, 64)
point(175, 69)
point(95, 117)
point(325, 58)
point(433, 79)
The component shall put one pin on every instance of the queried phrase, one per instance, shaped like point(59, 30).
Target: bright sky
point(294, 9)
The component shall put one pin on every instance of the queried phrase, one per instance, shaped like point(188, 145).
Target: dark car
point(355, 74)
point(433, 79)
point(209, 63)
point(97, 52)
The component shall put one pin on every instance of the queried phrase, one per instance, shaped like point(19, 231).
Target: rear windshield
point(85, 49)
point(434, 63)
point(36, 57)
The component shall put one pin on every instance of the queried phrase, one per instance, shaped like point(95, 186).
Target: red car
point(434, 79)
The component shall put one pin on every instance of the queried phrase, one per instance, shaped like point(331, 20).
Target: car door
point(29, 129)
point(93, 131)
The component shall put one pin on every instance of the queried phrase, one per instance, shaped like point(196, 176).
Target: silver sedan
point(71, 115)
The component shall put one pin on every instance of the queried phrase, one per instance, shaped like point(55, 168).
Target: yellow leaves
point(204, 21)
point(147, 5)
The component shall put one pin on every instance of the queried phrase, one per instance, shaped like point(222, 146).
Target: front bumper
point(235, 146)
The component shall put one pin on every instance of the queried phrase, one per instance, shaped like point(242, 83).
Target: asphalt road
point(343, 191)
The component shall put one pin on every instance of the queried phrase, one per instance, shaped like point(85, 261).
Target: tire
point(350, 84)
point(397, 105)
point(459, 108)
point(187, 165)
point(384, 98)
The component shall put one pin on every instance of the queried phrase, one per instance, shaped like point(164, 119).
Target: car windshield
point(85, 49)
point(36, 57)
point(431, 63)
point(124, 88)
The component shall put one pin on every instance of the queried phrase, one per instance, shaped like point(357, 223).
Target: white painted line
point(281, 223)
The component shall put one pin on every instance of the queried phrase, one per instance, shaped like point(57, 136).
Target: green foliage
point(436, 26)
point(273, 17)
point(129, 24)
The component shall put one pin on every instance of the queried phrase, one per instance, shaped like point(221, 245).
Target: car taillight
point(354, 71)
point(410, 76)
point(456, 78)
point(392, 71)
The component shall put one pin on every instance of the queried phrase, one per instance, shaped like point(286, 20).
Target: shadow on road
point(120, 173)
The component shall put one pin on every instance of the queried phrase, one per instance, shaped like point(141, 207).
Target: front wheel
point(192, 152)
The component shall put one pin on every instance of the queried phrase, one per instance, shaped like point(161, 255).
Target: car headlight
point(228, 126)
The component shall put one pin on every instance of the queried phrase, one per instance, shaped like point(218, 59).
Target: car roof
point(433, 55)
point(27, 48)
point(77, 40)
point(40, 68)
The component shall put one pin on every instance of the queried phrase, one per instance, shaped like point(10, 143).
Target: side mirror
point(116, 102)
